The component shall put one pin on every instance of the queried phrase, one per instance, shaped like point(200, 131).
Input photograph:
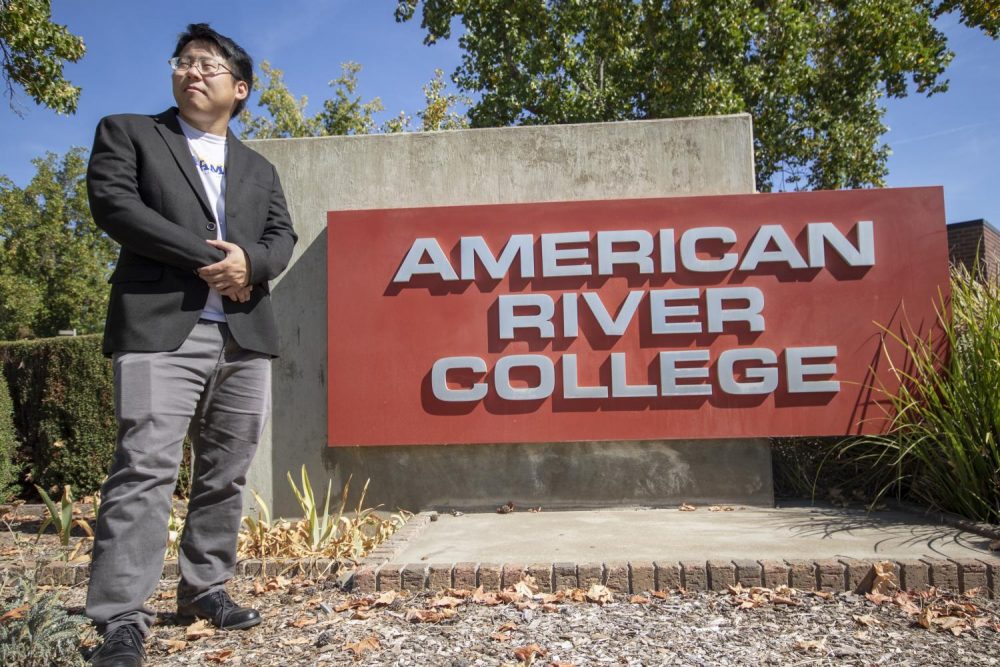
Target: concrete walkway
point(806, 547)
point(793, 532)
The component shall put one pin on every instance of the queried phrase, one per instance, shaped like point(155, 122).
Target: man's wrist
point(246, 257)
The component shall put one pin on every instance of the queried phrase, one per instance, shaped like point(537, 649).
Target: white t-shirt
point(208, 151)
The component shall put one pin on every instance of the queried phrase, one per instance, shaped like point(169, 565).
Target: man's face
point(206, 99)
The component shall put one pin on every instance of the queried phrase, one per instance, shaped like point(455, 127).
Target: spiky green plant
point(943, 445)
point(36, 631)
point(61, 517)
point(321, 527)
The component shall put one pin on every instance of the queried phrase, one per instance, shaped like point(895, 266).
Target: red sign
point(687, 317)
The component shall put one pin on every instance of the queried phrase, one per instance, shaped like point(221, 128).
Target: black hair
point(238, 60)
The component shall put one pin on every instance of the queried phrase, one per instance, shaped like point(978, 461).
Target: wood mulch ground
point(312, 622)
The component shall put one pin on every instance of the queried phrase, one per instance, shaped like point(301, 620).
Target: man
point(203, 226)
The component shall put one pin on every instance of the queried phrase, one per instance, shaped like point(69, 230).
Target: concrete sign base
point(692, 156)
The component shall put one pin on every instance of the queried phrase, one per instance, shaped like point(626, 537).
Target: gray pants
point(218, 391)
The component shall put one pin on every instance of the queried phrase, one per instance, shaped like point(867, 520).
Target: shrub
point(942, 448)
point(37, 631)
point(62, 391)
point(9, 468)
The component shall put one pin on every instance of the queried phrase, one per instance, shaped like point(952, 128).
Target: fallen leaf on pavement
point(220, 656)
point(506, 508)
point(429, 615)
point(198, 630)
point(446, 601)
point(369, 643)
point(174, 645)
point(386, 598)
point(866, 620)
point(885, 581)
point(811, 644)
point(687, 508)
point(15, 613)
point(526, 654)
point(600, 594)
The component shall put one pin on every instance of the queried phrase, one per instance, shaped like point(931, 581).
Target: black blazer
point(147, 195)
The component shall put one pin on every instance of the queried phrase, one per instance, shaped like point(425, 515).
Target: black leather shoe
point(220, 609)
point(121, 648)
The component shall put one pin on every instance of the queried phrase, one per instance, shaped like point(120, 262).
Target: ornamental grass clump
point(942, 448)
point(340, 535)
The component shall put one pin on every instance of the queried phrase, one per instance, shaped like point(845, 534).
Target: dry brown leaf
point(167, 595)
point(175, 645)
point(361, 614)
point(826, 595)
point(550, 607)
point(526, 654)
point(258, 588)
point(15, 613)
point(521, 605)
point(446, 601)
point(639, 599)
point(721, 508)
point(219, 656)
point(885, 581)
point(578, 595)
point(198, 630)
point(500, 636)
point(304, 621)
point(369, 643)
point(878, 598)
point(387, 598)
point(866, 620)
point(685, 507)
point(528, 586)
point(490, 598)
point(506, 508)
point(562, 664)
point(429, 615)
point(459, 592)
point(600, 594)
point(663, 595)
point(811, 644)
point(509, 625)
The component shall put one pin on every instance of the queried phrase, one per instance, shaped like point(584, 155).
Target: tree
point(54, 262)
point(34, 50)
point(344, 113)
point(811, 74)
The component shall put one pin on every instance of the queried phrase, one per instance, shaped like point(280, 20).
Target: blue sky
point(951, 139)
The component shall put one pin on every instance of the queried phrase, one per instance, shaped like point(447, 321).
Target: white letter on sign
point(758, 252)
point(863, 255)
point(546, 379)
point(717, 315)
point(797, 369)
point(767, 378)
point(542, 320)
point(552, 253)
point(412, 265)
point(689, 249)
point(475, 246)
point(439, 379)
point(608, 257)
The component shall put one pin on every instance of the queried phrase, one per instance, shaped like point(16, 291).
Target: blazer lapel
point(236, 169)
point(172, 134)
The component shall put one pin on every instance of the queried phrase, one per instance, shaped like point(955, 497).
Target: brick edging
point(961, 575)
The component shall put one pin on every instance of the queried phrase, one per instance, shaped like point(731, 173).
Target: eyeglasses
point(207, 66)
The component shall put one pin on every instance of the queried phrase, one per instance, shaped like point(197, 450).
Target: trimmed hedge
point(9, 468)
point(63, 396)
point(62, 390)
